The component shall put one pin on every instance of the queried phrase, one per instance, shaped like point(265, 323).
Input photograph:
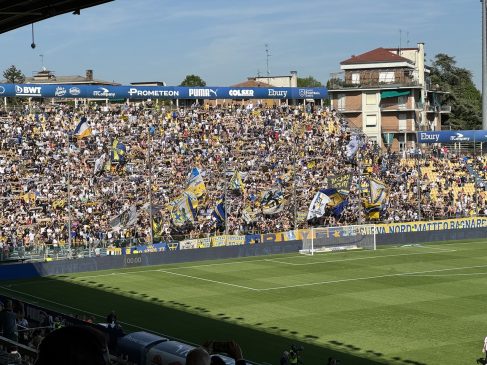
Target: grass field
point(398, 305)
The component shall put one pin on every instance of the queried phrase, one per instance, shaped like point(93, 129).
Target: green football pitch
point(417, 304)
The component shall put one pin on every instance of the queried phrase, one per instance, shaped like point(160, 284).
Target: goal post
point(329, 239)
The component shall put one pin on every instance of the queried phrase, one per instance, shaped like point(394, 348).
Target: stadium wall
point(245, 246)
point(30, 270)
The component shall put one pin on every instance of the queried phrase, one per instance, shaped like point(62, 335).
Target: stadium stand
point(253, 167)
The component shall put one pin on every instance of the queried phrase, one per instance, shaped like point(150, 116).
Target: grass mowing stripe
point(413, 273)
point(359, 258)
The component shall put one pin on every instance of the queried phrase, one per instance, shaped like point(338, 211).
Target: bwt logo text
point(28, 90)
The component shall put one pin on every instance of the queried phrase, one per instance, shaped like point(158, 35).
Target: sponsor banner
point(460, 223)
point(158, 92)
point(452, 136)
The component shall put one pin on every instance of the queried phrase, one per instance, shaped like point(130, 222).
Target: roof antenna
point(33, 44)
point(400, 41)
point(267, 53)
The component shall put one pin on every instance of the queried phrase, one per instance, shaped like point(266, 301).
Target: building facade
point(388, 94)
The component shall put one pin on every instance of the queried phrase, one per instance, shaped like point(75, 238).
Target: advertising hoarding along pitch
point(158, 92)
point(452, 136)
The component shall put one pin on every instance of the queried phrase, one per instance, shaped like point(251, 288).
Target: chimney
point(294, 79)
point(89, 75)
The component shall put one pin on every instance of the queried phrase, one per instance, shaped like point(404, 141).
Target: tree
point(13, 75)
point(464, 98)
point(193, 80)
point(309, 81)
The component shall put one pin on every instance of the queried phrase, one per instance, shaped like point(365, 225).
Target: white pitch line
point(208, 280)
point(357, 258)
point(449, 275)
point(368, 278)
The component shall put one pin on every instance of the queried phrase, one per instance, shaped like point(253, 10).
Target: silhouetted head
point(73, 345)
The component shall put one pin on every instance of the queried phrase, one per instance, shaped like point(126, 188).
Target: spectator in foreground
point(73, 345)
point(8, 322)
point(198, 356)
point(229, 348)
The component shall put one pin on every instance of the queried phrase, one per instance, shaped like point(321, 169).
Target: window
point(371, 99)
point(387, 77)
point(402, 122)
point(401, 101)
point(341, 101)
point(355, 78)
point(371, 120)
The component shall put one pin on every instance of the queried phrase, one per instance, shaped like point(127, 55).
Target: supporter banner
point(460, 223)
point(158, 92)
point(452, 136)
point(196, 243)
point(229, 240)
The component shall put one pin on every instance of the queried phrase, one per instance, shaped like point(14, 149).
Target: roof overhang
point(16, 14)
point(366, 66)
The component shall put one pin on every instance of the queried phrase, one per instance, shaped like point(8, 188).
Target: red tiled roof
point(378, 55)
point(252, 83)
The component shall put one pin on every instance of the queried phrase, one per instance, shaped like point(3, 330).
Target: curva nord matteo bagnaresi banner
point(158, 92)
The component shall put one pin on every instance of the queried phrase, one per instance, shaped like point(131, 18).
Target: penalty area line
point(209, 280)
point(356, 258)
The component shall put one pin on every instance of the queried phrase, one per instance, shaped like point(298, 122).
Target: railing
point(23, 355)
point(438, 108)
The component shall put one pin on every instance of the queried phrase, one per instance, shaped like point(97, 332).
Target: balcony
point(393, 107)
point(445, 109)
point(338, 81)
point(344, 110)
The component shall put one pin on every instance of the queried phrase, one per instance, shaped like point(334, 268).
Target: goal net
point(328, 239)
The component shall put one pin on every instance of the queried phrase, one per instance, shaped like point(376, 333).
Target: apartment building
point(387, 93)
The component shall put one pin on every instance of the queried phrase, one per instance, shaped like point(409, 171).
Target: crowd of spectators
point(292, 149)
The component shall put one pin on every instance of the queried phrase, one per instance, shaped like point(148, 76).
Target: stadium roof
point(17, 13)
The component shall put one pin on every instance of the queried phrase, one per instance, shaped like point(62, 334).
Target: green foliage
point(193, 80)
point(309, 81)
point(13, 75)
point(464, 98)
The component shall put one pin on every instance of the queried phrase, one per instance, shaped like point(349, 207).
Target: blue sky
point(224, 41)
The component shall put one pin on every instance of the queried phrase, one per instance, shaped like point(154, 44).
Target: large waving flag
point(352, 146)
point(236, 183)
point(377, 190)
point(337, 203)
point(126, 219)
point(100, 164)
point(195, 182)
point(182, 211)
point(219, 213)
point(118, 151)
point(249, 215)
point(192, 198)
point(372, 209)
point(272, 202)
point(340, 182)
point(318, 205)
point(83, 129)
